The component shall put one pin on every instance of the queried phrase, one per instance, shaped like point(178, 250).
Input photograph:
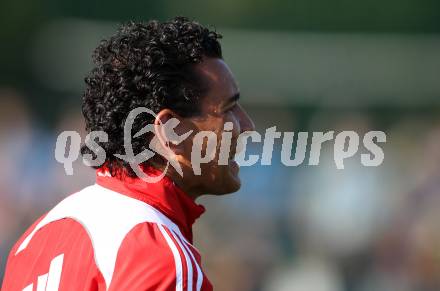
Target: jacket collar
point(164, 195)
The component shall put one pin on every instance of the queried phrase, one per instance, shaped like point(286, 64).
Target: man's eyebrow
point(231, 100)
point(234, 98)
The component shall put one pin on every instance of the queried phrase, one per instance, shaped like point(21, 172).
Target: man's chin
point(231, 182)
point(227, 189)
point(234, 187)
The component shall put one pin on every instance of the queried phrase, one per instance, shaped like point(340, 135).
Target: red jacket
point(119, 234)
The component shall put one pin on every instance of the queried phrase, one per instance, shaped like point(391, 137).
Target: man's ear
point(171, 131)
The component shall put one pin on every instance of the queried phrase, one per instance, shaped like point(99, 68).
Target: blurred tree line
point(21, 19)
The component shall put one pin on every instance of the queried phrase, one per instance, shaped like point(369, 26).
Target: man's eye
point(231, 108)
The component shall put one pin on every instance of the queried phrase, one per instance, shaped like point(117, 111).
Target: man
point(125, 233)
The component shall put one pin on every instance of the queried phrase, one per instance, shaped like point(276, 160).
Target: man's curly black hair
point(144, 65)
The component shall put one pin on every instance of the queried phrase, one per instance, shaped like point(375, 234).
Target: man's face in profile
point(218, 106)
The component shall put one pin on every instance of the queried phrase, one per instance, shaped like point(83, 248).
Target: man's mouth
point(233, 165)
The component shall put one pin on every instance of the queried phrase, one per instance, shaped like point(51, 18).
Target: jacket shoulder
point(148, 259)
point(109, 218)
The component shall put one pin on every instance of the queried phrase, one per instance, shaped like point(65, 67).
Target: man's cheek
point(203, 150)
point(225, 144)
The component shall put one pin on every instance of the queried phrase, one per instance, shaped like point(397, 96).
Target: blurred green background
point(302, 66)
